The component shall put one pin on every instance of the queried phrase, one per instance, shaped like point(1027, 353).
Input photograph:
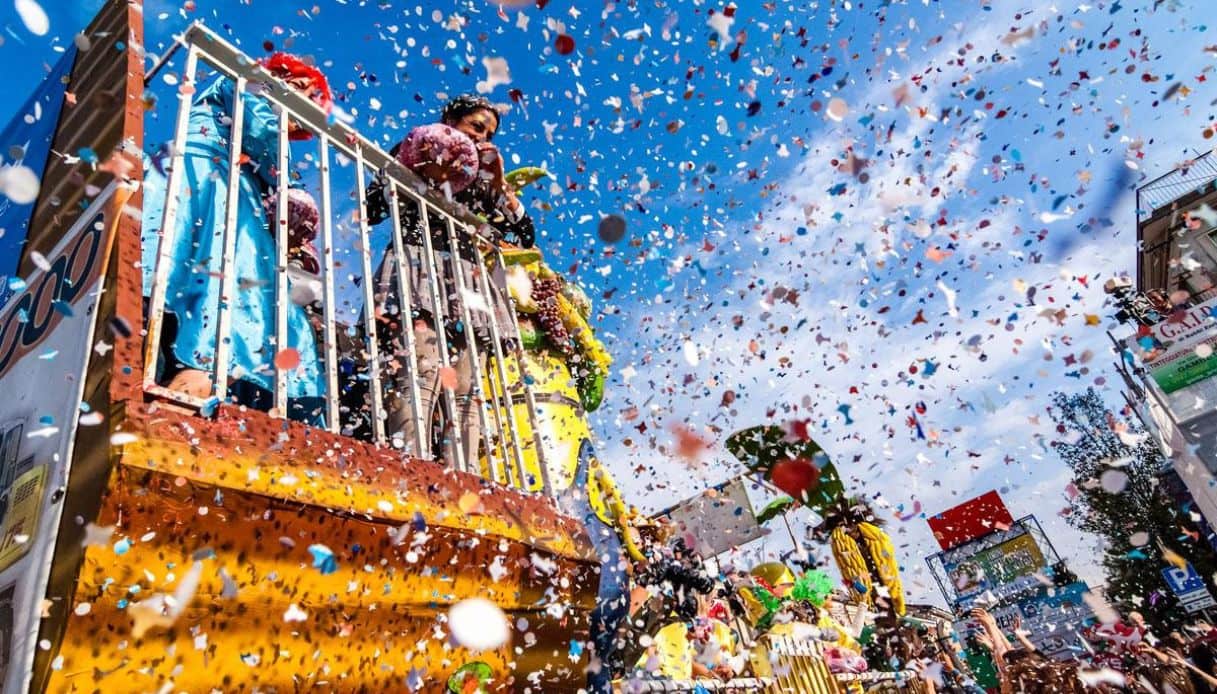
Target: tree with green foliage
point(1118, 494)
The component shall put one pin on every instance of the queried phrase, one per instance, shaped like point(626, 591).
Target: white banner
point(46, 338)
point(718, 519)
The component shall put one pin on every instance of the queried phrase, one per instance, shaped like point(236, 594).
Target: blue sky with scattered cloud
point(845, 212)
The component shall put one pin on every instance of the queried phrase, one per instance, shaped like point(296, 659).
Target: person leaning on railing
point(194, 277)
point(440, 154)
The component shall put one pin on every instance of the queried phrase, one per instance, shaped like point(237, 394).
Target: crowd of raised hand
point(1124, 657)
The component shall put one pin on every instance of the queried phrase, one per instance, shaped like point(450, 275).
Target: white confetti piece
point(496, 569)
point(1094, 678)
point(33, 16)
point(122, 438)
point(478, 624)
point(19, 183)
point(1113, 481)
point(497, 73)
point(690, 353)
point(295, 614)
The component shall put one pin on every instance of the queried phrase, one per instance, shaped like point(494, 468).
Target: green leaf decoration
point(524, 176)
point(774, 509)
point(814, 587)
point(759, 448)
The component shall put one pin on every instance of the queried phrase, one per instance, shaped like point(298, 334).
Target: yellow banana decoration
point(852, 564)
point(883, 558)
point(616, 507)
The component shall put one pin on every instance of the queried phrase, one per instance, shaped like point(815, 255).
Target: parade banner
point(25, 144)
point(46, 338)
point(1053, 618)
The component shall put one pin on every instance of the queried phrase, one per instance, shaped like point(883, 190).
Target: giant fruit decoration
point(558, 310)
point(864, 553)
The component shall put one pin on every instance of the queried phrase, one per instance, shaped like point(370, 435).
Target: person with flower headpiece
point(194, 247)
point(458, 161)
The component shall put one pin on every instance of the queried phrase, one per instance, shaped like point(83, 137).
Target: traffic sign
point(1197, 601)
point(1183, 580)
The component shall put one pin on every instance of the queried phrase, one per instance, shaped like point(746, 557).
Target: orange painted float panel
point(251, 452)
point(366, 626)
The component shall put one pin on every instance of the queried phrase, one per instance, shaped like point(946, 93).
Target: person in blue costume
point(196, 251)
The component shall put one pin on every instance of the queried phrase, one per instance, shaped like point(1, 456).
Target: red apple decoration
point(798, 477)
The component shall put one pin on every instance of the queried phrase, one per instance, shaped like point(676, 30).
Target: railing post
point(434, 269)
point(168, 228)
point(476, 395)
point(228, 285)
point(369, 303)
point(327, 270)
point(405, 309)
point(282, 235)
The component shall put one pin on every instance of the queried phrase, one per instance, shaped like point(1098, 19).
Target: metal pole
point(282, 236)
point(434, 268)
point(178, 42)
point(475, 391)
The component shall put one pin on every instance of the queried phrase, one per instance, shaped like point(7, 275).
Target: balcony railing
point(499, 377)
point(1191, 177)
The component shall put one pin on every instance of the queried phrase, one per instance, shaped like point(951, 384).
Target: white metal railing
point(1184, 179)
point(500, 430)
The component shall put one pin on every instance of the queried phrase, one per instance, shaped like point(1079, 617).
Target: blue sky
point(846, 213)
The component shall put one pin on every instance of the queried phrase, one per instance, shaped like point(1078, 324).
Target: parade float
point(154, 540)
point(157, 541)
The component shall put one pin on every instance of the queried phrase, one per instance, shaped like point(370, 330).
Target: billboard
point(1014, 561)
point(46, 338)
point(1180, 354)
point(717, 520)
point(26, 142)
point(971, 519)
